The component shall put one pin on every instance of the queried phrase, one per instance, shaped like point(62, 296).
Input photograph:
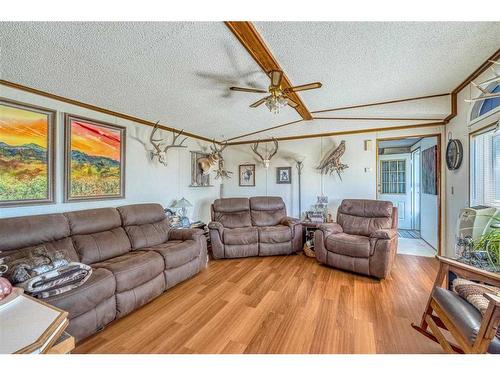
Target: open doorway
point(408, 176)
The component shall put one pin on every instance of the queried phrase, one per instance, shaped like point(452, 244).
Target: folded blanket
point(31, 262)
point(57, 281)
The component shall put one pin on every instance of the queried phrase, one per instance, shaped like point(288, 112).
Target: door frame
point(438, 175)
point(418, 149)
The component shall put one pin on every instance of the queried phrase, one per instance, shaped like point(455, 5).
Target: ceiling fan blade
point(307, 86)
point(276, 77)
point(259, 102)
point(291, 103)
point(246, 89)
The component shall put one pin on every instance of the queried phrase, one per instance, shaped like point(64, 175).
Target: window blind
point(485, 169)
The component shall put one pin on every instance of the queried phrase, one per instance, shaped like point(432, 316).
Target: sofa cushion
point(176, 253)
point(100, 286)
point(101, 246)
point(275, 234)
point(348, 244)
point(97, 234)
point(267, 211)
point(241, 236)
point(133, 269)
point(232, 212)
point(466, 317)
point(25, 231)
point(146, 224)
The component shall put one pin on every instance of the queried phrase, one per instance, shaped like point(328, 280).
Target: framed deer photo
point(247, 174)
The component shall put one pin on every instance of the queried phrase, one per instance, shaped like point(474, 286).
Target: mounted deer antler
point(160, 153)
point(267, 159)
point(208, 163)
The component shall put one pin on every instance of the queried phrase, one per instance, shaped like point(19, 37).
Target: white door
point(415, 188)
point(394, 177)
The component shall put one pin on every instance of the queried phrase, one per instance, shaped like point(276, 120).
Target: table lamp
point(182, 205)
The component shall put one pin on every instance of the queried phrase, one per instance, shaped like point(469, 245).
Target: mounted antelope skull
point(160, 151)
point(267, 158)
point(208, 163)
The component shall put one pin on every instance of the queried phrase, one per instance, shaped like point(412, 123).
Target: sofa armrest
point(289, 221)
point(330, 228)
point(185, 234)
point(384, 234)
point(215, 225)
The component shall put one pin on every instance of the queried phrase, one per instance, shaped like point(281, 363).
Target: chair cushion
point(364, 217)
point(275, 234)
point(99, 287)
point(133, 269)
point(466, 317)
point(176, 253)
point(349, 244)
point(241, 236)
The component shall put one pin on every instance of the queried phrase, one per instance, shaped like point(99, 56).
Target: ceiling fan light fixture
point(275, 103)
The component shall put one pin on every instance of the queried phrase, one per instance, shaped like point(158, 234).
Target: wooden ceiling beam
point(250, 38)
point(342, 132)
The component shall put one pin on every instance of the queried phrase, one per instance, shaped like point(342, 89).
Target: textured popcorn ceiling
point(179, 73)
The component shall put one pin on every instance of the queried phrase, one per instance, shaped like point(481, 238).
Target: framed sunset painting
point(27, 136)
point(95, 160)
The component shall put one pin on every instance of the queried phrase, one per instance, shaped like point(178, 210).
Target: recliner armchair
point(258, 226)
point(363, 240)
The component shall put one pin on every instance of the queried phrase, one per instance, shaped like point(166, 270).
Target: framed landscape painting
point(95, 160)
point(27, 136)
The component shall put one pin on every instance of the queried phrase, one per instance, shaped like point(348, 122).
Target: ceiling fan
point(279, 97)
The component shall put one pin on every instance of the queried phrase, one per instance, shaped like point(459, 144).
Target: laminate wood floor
point(286, 304)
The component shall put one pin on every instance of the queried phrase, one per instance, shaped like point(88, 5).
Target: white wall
point(428, 202)
point(356, 183)
point(457, 182)
point(146, 181)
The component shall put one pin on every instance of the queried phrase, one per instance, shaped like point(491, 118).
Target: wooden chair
point(446, 310)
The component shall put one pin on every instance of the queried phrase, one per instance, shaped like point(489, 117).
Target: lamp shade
point(181, 203)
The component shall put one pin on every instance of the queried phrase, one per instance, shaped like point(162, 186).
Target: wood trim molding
point(476, 73)
point(378, 118)
point(97, 109)
point(260, 131)
point(380, 103)
point(343, 132)
point(253, 42)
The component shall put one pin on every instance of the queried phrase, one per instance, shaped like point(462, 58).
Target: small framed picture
point(284, 175)
point(247, 174)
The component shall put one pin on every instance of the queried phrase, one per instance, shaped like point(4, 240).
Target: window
point(393, 177)
point(483, 107)
point(485, 169)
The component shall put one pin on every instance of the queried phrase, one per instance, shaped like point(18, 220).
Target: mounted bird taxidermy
point(160, 151)
point(266, 159)
point(214, 162)
point(331, 162)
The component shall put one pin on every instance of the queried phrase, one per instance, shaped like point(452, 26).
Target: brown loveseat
point(134, 255)
point(364, 239)
point(243, 227)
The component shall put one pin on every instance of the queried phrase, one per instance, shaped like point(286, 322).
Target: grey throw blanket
point(43, 273)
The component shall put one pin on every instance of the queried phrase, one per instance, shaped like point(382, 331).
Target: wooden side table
point(31, 326)
point(308, 229)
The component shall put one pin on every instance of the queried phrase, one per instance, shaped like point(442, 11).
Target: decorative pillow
point(33, 261)
point(473, 292)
